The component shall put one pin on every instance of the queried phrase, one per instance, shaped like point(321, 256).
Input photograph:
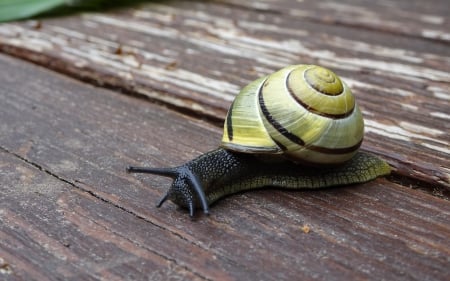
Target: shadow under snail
point(298, 128)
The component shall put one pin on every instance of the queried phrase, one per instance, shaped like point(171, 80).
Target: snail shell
point(304, 112)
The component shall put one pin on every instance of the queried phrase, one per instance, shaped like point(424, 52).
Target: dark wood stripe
point(343, 150)
point(229, 122)
point(282, 130)
point(313, 110)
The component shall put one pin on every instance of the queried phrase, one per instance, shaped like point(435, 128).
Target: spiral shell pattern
point(304, 112)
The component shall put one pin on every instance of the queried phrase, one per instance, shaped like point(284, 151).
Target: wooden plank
point(196, 56)
point(80, 206)
point(427, 20)
point(50, 230)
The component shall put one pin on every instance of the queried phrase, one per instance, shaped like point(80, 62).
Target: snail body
point(279, 130)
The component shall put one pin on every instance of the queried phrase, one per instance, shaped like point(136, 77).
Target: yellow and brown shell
point(304, 112)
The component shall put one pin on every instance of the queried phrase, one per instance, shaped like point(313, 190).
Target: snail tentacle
point(162, 200)
point(168, 172)
point(195, 183)
point(185, 183)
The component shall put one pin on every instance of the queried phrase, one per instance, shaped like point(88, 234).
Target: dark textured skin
point(221, 172)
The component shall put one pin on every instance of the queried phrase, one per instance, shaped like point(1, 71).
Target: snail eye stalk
point(179, 174)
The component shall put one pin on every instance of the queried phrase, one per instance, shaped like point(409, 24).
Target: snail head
point(186, 188)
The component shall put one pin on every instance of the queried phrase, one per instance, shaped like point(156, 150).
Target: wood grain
point(69, 211)
point(50, 230)
point(425, 20)
point(196, 55)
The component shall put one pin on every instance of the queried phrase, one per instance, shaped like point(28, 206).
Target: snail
point(299, 127)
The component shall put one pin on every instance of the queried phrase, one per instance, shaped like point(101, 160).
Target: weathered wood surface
point(427, 20)
point(68, 210)
point(196, 55)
